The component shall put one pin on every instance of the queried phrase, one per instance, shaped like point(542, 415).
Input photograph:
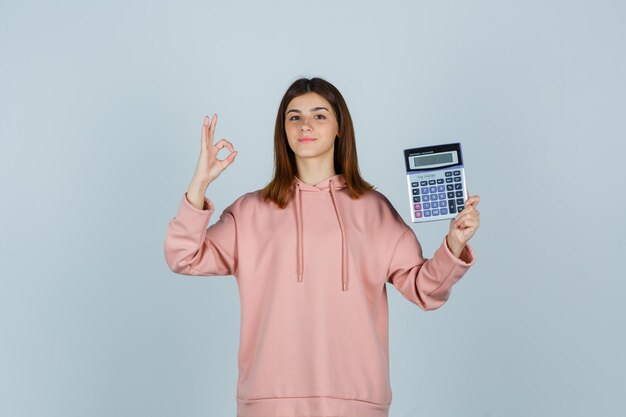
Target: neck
point(312, 172)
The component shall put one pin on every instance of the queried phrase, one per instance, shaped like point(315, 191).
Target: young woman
point(312, 253)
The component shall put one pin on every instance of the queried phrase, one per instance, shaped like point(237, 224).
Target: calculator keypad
point(438, 197)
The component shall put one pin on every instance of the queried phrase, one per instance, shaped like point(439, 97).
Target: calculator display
point(436, 182)
point(433, 160)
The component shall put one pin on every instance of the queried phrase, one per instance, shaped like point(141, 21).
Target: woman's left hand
point(463, 226)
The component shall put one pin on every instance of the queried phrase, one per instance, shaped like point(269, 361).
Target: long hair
point(345, 158)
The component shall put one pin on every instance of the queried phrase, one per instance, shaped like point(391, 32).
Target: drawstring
point(300, 240)
point(299, 231)
point(344, 251)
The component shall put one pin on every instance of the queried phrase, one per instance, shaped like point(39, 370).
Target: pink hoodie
point(312, 285)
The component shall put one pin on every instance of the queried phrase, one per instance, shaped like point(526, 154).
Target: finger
point(471, 222)
point(228, 160)
point(474, 219)
point(203, 132)
point(224, 143)
point(470, 210)
point(461, 233)
point(211, 131)
point(460, 220)
point(460, 225)
point(465, 212)
point(456, 223)
point(472, 201)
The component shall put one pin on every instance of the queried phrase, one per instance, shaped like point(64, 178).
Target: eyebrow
point(313, 109)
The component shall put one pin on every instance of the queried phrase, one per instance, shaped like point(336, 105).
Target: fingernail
point(206, 120)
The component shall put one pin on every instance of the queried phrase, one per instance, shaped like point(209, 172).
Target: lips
point(306, 140)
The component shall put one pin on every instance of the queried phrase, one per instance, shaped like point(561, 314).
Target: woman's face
point(311, 126)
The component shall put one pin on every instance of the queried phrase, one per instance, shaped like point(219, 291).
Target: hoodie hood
point(329, 185)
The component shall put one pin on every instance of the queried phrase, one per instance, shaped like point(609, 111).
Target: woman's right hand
point(209, 167)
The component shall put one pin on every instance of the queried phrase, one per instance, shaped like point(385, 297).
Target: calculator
point(436, 180)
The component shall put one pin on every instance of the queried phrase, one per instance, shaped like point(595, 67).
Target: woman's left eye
point(321, 116)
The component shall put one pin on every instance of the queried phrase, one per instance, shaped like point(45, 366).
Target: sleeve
point(193, 249)
point(426, 282)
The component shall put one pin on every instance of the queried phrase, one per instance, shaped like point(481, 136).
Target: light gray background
point(101, 109)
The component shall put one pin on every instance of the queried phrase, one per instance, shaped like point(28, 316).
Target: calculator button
point(443, 204)
point(431, 182)
point(426, 213)
point(459, 193)
point(417, 206)
point(418, 214)
point(426, 205)
point(458, 186)
point(416, 199)
point(449, 187)
point(448, 173)
point(441, 188)
point(416, 191)
point(440, 181)
point(436, 212)
point(459, 201)
point(460, 208)
point(442, 196)
point(451, 194)
point(433, 197)
point(448, 180)
point(415, 184)
point(452, 206)
point(423, 183)
point(457, 179)
point(457, 172)
point(444, 211)
point(425, 190)
point(433, 189)
point(426, 197)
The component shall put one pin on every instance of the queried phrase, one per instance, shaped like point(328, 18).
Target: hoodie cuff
point(208, 205)
point(189, 215)
point(466, 258)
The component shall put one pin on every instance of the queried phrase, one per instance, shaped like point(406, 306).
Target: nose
point(306, 127)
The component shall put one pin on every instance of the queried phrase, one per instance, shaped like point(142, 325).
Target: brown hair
point(345, 159)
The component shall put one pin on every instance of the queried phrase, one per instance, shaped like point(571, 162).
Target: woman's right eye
point(294, 117)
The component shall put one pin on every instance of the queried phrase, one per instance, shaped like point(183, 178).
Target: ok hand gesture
point(209, 166)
